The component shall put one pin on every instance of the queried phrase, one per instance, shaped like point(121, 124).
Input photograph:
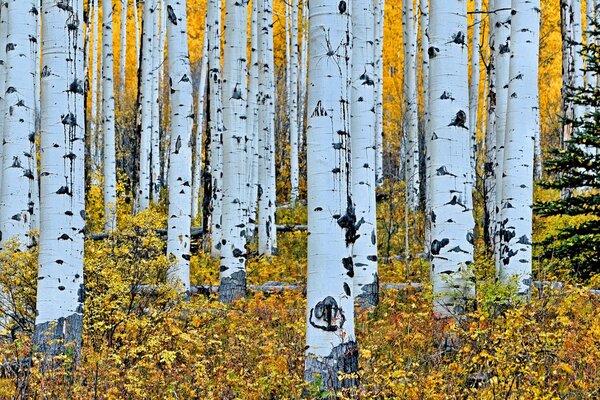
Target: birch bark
point(490, 136)
point(60, 290)
point(157, 34)
point(331, 347)
point(216, 122)
point(451, 216)
point(108, 119)
point(474, 87)
point(17, 200)
point(94, 132)
point(379, 10)
point(522, 122)
point(364, 251)
point(3, 34)
point(267, 233)
point(233, 249)
point(502, 63)
point(200, 112)
point(147, 76)
point(123, 43)
point(293, 108)
point(182, 121)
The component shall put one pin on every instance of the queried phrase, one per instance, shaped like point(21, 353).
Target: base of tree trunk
point(324, 371)
point(233, 287)
point(56, 338)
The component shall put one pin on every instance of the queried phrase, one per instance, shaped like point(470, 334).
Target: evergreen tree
point(575, 170)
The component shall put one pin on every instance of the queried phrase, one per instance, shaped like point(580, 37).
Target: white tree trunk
point(146, 86)
point(521, 126)
point(568, 67)
point(123, 43)
point(451, 216)
point(267, 233)
point(474, 87)
point(17, 201)
point(379, 10)
point(303, 76)
point(252, 127)
point(364, 251)
point(182, 122)
point(411, 113)
point(94, 132)
point(60, 291)
point(235, 73)
point(216, 122)
point(293, 107)
point(3, 33)
point(591, 78)
point(576, 44)
point(502, 63)
point(424, 25)
point(330, 342)
point(200, 112)
point(157, 34)
point(108, 119)
point(490, 135)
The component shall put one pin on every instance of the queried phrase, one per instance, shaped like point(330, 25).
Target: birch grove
point(60, 292)
point(331, 347)
point(451, 212)
point(233, 252)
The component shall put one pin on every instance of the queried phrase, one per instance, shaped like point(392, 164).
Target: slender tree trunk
point(568, 66)
point(17, 201)
point(94, 133)
point(490, 136)
point(216, 122)
point(108, 119)
point(200, 112)
point(123, 43)
point(411, 114)
point(364, 251)
point(60, 290)
point(267, 233)
point(379, 10)
point(146, 97)
point(155, 178)
point(424, 9)
point(576, 48)
point(331, 346)
point(293, 108)
point(233, 249)
point(3, 35)
point(451, 215)
point(302, 78)
point(474, 87)
point(252, 126)
point(521, 126)
point(136, 28)
point(502, 63)
point(182, 122)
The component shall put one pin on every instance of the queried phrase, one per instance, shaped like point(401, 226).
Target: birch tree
point(568, 66)
point(94, 135)
point(200, 112)
point(215, 165)
point(182, 121)
point(522, 121)
point(451, 212)
point(490, 135)
point(474, 86)
point(267, 233)
point(123, 42)
point(502, 64)
point(293, 109)
point(60, 290)
point(3, 34)
point(145, 103)
point(411, 113)
point(157, 34)
point(233, 249)
point(108, 119)
point(364, 251)
point(331, 347)
point(252, 126)
point(18, 163)
point(379, 11)
point(303, 77)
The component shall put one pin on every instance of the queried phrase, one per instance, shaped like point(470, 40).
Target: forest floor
point(140, 344)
